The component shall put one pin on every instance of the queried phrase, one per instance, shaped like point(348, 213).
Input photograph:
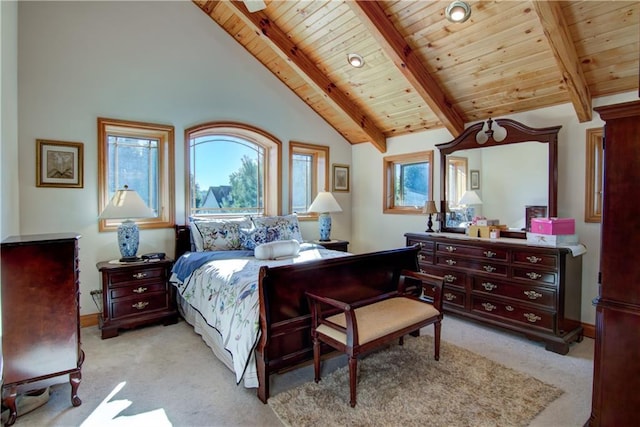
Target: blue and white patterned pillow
point(272, 228)
point(219, 235)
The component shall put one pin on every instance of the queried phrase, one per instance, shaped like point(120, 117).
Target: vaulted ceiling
point(423, 72)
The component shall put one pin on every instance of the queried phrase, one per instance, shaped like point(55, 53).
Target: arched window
point(232, 170)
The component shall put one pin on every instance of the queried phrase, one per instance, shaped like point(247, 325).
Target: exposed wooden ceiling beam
point(557, 33)
point(395, 46)
point(310, 72)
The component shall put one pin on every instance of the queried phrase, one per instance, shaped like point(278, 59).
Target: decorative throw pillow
point(218, 235)
point(277, 250)
point(284, 227)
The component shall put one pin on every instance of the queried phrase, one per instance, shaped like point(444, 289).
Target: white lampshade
point(126, 204)
point(324, 202)
point(470, 197)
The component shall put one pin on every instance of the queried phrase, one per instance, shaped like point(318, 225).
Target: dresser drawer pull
point(451, 262)
point(489, 268)
point(421, 257)
point(532, 317)
point(534, 276)
point(488, 306)
point(449, 297)
point(450, 248)
point(140, 290)
point(509, 308)
point(534, 259)
point(140, 305)
point(489, 254)
point(532, 294)
point(489, 286)
point(422, 271)
point(140, 275)
point(449, 278)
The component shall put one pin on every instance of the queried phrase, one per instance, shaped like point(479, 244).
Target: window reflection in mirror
point(593, 185)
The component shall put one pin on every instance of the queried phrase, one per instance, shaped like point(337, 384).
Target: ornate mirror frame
point(516, 132)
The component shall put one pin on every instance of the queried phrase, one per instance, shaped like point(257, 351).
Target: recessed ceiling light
point(355, 60)
point(458, 11)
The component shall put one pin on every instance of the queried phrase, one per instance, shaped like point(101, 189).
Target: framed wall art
point(59, 164)
point(340, 177)
point(475, 179)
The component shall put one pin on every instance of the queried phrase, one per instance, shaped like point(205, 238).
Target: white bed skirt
point(214, 340)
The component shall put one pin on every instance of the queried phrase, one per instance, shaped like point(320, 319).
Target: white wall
point(373, 230)
point(159, 62)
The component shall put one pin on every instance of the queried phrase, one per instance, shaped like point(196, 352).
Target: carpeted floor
point(158, 375)
point(405, 386)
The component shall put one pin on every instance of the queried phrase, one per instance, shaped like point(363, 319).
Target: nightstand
point(134, 294)
point(336, 245)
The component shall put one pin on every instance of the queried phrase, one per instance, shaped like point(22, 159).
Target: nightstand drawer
point(136, 306)
point(139, 289)
point(135, 274)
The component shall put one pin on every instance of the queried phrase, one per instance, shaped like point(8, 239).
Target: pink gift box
point(553, 226)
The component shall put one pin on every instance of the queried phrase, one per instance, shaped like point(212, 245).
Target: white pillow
point(278, 249)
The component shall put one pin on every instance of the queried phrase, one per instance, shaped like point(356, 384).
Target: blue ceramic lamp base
point(128, 240)
point(324, 221)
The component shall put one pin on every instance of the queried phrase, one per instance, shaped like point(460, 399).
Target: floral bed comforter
point(223, 288)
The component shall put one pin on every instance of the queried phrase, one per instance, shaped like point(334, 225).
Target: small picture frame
point(475, 179)
point(59, 164)
point(340, 177)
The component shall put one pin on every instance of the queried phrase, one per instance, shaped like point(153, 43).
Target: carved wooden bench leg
point(353, 379)
point(316, 359)
point(436, 339)
point(9, 401)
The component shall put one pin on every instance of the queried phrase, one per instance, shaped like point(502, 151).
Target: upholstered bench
point(366, 325)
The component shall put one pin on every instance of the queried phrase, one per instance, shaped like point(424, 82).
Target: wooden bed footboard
point(285, 320)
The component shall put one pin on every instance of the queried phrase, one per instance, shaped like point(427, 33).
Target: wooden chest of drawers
point(533, 290)
point(135, 294)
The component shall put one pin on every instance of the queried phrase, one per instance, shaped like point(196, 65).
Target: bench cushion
point(381, 318)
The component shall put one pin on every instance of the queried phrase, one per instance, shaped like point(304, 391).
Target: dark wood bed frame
point(285, 320)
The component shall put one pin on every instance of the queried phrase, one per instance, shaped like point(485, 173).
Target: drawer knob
point(489, 286)
point(422, 271)
point(489, 254)
point(449, 278)
point(449, 297)
point(140, 275)
point(532, 317)
point(451, 262)
point(421, 257)
point(534, 276)
point(488, 306)
point(140, 305)
point(509, 308)
point(532, 294)
point(489, 268)
point(450, 248)
point(140, 290)
point(534, 259)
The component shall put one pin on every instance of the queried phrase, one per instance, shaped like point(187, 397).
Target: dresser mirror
point(517, 168)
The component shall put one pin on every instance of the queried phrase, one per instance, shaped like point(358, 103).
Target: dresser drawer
point(140, 289)
point(426, 245)
point(492, 253)
point(530, 274)
point(472, 264)
point(450, 276)
point(514, 312)
point(532, 258)
point(140, 305)
point(124, 278)
point(533, 294)
point(450, 296)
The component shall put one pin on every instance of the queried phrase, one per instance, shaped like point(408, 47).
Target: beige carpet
point(406, 386)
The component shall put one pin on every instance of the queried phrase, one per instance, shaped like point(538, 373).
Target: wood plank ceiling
point(423, 72)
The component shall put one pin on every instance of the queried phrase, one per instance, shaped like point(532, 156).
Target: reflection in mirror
point(595, 164)
point(517, 167)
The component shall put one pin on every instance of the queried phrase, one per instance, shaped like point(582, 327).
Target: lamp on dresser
point(468, 199)
point(324, 204)
point(126, 204)
point(430, 209)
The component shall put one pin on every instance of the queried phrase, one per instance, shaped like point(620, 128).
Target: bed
point(253, 312)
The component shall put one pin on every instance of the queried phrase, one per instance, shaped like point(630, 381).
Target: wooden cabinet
point(508, 283)
point(616, 377)
point(135, 294)
point(336, 245)
point(40, 315)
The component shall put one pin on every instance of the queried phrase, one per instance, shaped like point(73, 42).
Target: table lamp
point(469, 198)
point(324, 204)
point(127, 204)
point(429, 208)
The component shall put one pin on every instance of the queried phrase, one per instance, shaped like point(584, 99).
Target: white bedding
point(224, 293)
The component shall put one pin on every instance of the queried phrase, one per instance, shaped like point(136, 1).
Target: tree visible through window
point(408, 182)
point(308, 174)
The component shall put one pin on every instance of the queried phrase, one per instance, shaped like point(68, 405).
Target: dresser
point(135, 294)
point(508, 283)
point(616, 375)
point(40, 315)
